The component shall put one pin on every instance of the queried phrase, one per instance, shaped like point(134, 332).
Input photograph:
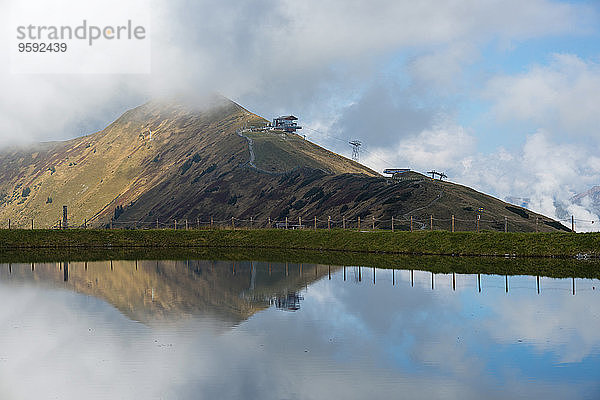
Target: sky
point(500, 95)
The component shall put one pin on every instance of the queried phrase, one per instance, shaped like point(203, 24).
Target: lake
point(257, 330)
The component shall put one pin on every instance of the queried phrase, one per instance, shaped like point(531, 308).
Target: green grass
point(284, 152)
point(424, 243)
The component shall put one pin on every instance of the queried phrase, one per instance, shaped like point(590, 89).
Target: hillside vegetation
point(428, 243)
point(169, 160)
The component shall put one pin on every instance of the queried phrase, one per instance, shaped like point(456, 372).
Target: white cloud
point(51, 107)
point(442, 69)
point(255, 51)
point(533, 324)
point(443, 146)
point(561, 97)
point(547, 172)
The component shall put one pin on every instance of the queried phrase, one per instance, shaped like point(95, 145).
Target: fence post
point(269, 222)
point(572, 223)
point(232, 223)
point(453, 223)
point(373, 222)
point(431, 222)
point(198, 223)
point(286, 223)
point(31, 223)
point(186, 224)
point(157, 223)
point(175, 224)
point(250, 222)
point(392, 224)
point(85, 223)
point(329, 222)
point(477, 222)
point(9, 224)
point(299, 222)
point(315, 223)
point(411, 225)
point(211, 222)
point(505, 224)
point(359, 223)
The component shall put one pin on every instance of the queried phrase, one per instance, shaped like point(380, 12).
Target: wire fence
point(369, 223)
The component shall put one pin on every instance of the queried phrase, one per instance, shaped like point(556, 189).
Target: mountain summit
point(169, 160)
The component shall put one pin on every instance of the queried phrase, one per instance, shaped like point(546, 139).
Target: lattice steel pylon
point(355, 149)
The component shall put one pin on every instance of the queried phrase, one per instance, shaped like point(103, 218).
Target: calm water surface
point(254, 330)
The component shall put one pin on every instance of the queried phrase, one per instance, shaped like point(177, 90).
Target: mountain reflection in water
point(212, 329)
point(153, 290)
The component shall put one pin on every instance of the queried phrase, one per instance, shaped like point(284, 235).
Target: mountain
point(174, 160)
point(590, 199)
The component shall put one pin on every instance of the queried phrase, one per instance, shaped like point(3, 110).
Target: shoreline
point(421, 243)
point(549, 267)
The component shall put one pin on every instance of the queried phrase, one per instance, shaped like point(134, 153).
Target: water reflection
point(290, 302)
point(149, 290)
point(216, 330)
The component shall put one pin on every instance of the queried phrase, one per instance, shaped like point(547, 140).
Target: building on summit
point(286, 123)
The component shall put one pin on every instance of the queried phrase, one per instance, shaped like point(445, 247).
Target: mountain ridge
point(167, 160)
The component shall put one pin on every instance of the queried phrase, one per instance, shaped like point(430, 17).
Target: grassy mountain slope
point(280, 152)
point(200, 164)
point(95, 173)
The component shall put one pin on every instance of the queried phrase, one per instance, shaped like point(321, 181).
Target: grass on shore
point(422, 242)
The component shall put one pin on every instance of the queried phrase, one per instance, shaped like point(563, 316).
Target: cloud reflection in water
point(350, 339)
